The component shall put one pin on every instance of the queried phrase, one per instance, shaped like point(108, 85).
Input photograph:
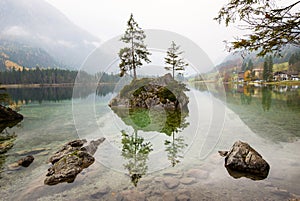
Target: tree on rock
point(136, 52)
point(173, 59)
point(271, 25)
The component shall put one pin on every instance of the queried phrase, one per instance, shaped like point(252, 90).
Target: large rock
point(68, 148)
point(8, 118)
point(243, 160)
point(7, 114)
point(70, 160)
point(164, 92)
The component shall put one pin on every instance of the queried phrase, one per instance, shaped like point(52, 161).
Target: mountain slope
point(38, 24)
point(233, 61)
point(16, 55)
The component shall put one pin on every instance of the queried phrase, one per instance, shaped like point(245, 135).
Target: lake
point(178, 152)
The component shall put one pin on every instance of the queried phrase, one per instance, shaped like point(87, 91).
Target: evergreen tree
point(250, 65)
point(244, 66)
point(271, 66)
point(132, 56)
point(175, 62)
point(268, 68)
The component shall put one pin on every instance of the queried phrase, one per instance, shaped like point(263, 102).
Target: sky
point(190, 18)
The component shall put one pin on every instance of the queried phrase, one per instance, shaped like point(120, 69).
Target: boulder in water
point(70, 160)
point(243, 160)
point(26, 161)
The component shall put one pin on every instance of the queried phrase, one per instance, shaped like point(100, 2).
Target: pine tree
point(244, 66)
point(136, 52)
point(175, 62)
point(268, 68)
point(250, 65)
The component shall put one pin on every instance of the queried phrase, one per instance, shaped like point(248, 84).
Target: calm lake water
point(178, 159)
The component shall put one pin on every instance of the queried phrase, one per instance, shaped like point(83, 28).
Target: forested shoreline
point(53, 77)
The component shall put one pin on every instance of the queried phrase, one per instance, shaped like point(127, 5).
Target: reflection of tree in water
point(136, 151)
point(200, 86)
point(266, 98)
point(176, 122)
point(4, 97)
point(46, 94)
point(169, 122)
point(293, 100)
point(246, 96)
point(174, 148)
point(105, 89)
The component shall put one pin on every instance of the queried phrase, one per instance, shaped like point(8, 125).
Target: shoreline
point(10, 86)
point(284, 83)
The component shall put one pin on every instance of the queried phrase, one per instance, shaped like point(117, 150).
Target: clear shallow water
point(200, 174)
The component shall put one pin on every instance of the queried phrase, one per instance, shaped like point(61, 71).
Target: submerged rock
point(243, 160)
point(31, 152)
point(5, 145)
point(171, 182)
point(164, 92)
point(26, 161)
point(70, 160)
point(23, 162)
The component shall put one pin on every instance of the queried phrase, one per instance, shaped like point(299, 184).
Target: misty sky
point(191, 18)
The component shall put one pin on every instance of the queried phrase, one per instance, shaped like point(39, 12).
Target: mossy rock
point(152, 92)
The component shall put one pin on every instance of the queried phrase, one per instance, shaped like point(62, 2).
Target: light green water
point(182, 165)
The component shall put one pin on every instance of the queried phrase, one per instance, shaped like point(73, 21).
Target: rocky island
point(162, 92)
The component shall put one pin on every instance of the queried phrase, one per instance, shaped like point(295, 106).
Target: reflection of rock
point(70, 160)
point(163, 121)
point(148, 93)
point(243, 160)
point(26, 161)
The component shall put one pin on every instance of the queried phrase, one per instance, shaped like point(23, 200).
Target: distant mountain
point(40, 26)
point(16, 55)
point(235, 60)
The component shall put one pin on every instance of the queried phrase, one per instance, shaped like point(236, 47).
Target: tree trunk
point(134, 73)
point(173, 73)
point(133, 62)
